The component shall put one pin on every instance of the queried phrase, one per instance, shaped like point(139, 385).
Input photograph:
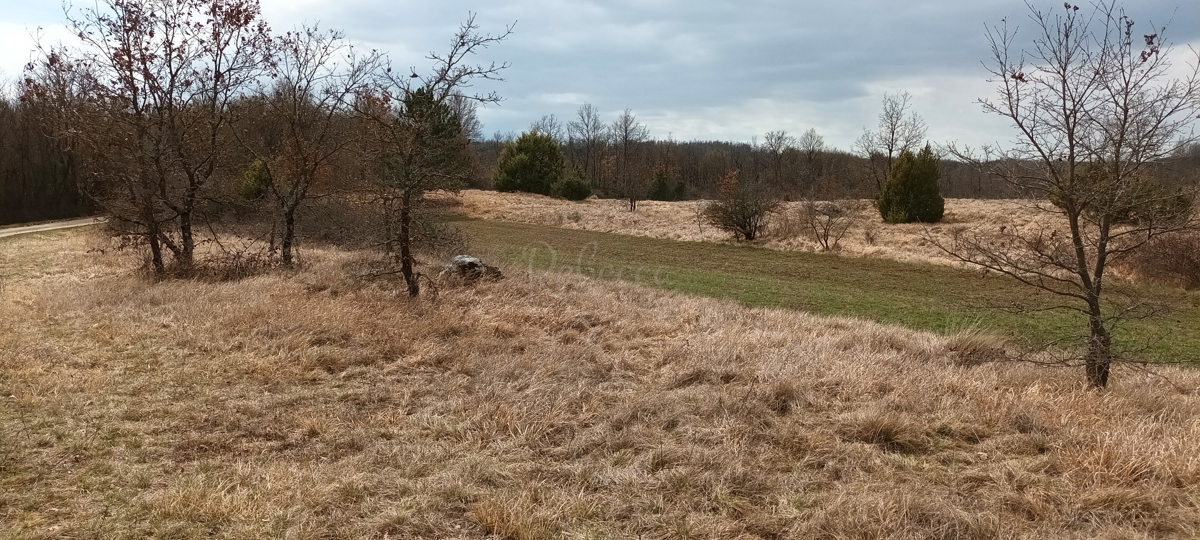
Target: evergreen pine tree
point(661, 190)
point(911, 193)
point(533, 164)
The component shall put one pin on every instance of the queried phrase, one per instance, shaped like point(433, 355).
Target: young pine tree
point(661, 189)
point(533, 164)
point(911, 194)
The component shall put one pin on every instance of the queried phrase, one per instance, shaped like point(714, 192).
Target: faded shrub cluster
point(742, 210)
point(1170, 259)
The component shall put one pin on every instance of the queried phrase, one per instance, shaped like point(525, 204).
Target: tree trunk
point(289, 235)
point(406, 257)
point(187, 241)
point(153, 234)
point(156, 257)
point(1099, 353)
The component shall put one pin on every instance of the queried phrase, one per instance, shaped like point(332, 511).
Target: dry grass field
point(321, 404)
point(868, 237)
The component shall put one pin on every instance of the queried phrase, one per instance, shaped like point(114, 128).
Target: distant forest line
point(41, 177)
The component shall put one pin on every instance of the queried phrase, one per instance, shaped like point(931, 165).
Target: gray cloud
point(710, 69)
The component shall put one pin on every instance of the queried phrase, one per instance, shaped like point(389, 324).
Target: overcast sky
point(693, 70)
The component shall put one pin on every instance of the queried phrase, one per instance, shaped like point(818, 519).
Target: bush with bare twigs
point(742, 210)
point(1172, 259)
point(827, 222)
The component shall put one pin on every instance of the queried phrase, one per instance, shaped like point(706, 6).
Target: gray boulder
point(470, 268)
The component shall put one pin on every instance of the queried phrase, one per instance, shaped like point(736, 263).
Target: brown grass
point(317, 404)
point(868, 237)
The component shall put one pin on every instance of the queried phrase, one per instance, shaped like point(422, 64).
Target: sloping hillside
point(321, 404)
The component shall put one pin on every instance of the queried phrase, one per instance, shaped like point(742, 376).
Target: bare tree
point(811, 145)
point(828, 219)
point(587, 133)
point(626, 134)
point(306, 117)
point(777, 144)
point(550, 125)
point(156, 78)
point(899, 129)
point(419, 143)
point(467, 110)
point(1095, 107)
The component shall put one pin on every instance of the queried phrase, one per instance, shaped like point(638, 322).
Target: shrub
point(573, 188)
point(827, 222)
point(911, 193)
point(256, 180)
point(1172, 259)
point(533, 164)
point(743, 211)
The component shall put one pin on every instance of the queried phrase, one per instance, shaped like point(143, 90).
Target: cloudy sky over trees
point(693, 70)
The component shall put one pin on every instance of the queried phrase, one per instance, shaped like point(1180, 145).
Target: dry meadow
point(868, 236)
point(323, 404)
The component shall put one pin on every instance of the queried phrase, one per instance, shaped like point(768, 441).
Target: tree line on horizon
point(621, 159)
point(44, 177)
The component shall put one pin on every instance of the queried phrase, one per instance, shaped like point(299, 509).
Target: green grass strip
point(919, 296)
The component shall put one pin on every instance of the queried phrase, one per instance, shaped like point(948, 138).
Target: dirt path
point(41, 227)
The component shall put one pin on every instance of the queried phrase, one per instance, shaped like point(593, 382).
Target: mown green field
point(924, 297)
